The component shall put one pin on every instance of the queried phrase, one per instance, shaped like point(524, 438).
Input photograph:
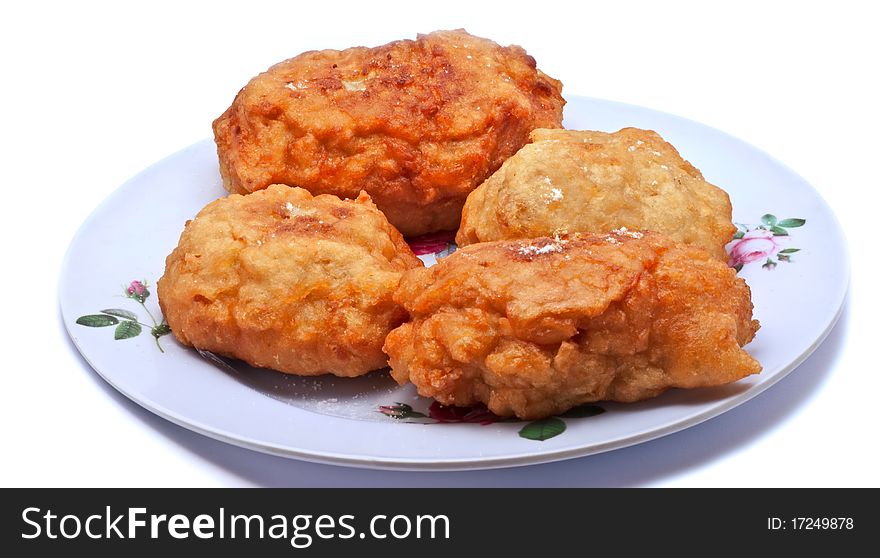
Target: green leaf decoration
point(127, 330)
point(400, 411)
point(543, 429)
point(769, 219)
point(582, 411)
point(791, 223)
point(738, 267)
point(121, 313)
point(97, 320)
point(160, 330)
point(738, 234)
point(778, 231)
point(789, 250)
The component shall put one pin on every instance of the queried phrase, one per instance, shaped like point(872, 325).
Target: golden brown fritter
point(583, 181)
point(417, 124)
point(535, 327)
point(283, 280)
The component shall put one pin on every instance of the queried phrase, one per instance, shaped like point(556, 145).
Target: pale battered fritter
point(583, 181)
point(283, 280)
point(417, 124)
point(535, 327)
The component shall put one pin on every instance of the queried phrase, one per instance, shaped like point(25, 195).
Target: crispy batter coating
point(583, 181)
point(535, 327)
point(417, 124)
point(284, 280)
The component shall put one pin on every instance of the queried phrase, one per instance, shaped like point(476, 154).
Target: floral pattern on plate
point(127, 322)
point(768, 241)
point(538, 430)
point(432, 247)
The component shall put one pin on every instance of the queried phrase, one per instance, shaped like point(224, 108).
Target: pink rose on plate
point(138, 291)
point(478, 413)
point(756, 244)
point(431, 243)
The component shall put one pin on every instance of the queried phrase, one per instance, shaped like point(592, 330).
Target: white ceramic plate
point(798, 296)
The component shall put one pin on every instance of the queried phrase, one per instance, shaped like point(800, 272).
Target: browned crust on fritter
point(533, 328)
point(284, 280)
point(417, 124)
point(586, 181)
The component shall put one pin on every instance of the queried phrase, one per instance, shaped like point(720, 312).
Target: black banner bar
point(435, 522)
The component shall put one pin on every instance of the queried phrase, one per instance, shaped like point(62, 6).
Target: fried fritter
point(284, 280)
point(583, 181)
point(417, 124)
point(535, 327)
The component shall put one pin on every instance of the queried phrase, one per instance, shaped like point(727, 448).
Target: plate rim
point(471, 463)
point(518, 459)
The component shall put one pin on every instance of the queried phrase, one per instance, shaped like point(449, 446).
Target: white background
point(91, 93)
